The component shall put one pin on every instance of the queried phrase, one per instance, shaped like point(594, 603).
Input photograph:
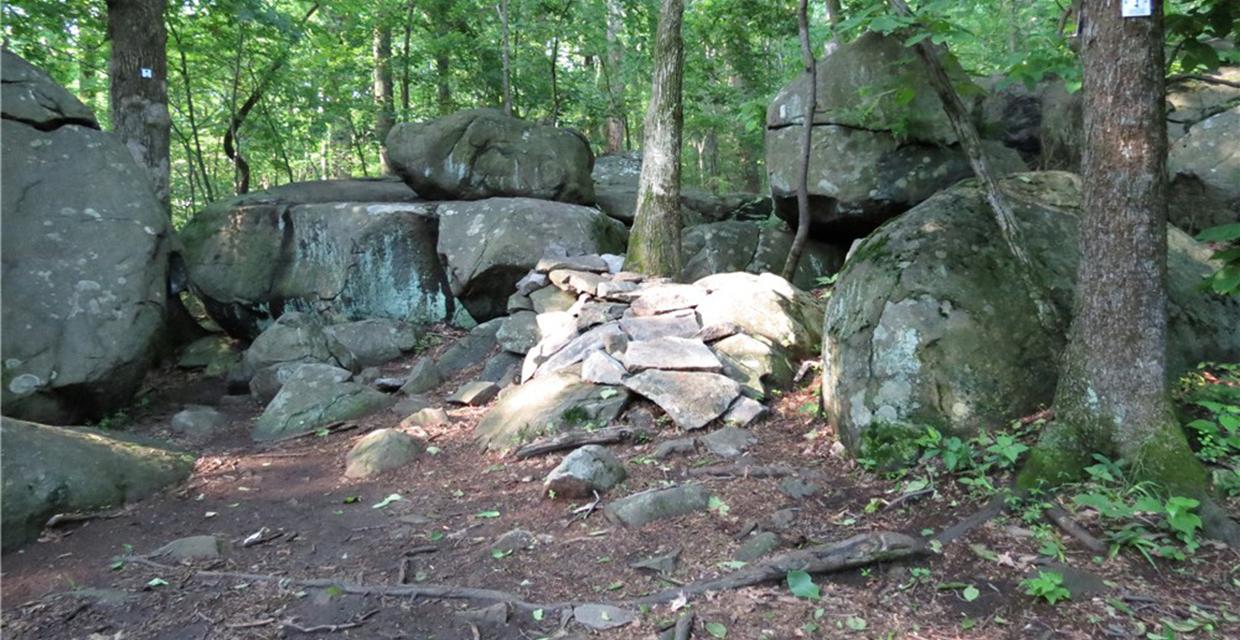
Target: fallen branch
point(1064, 521)
point(743, 469)
point(331, 429)
point(1184, 77)
point(574, 439)
point(993, 507)
point(858, 551)
point(62, 519)
point(359, 621)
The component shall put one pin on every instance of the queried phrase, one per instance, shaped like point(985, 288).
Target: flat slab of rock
point(757, 546)
point(304, 405)
point(600, 368)
point(381, 450)
point(584, 471)
point(425, 376)
point(594, 263)
point(197, 420)
point(576, 281)
point(428, 417)
point(603, 616)
point(672, 354)
point(744, 412)
point(191, 549)
point(678, 324)
point(551, 299)
point(691, 398)
point(658, 504)
point(667, 297)
point(475, 393)
point(545, 405)
point(728, 442)
point(519, 332)
point(575, 351)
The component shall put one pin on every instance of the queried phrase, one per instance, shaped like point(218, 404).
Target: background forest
point(327, 79)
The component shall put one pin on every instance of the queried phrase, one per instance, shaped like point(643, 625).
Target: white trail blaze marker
point(1136, 8)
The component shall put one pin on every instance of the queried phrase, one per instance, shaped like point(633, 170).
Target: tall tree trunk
point(385, 116)
point(555, 87)
point(709, 160)
point(504, 56)
point(654, 245)
point(138, 91)
point(1113, 394)
point(405, 81)
point(834, 15)
point(810, 101)
point(614, 74)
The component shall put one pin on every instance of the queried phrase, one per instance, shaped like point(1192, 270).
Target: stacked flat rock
point(592, 335)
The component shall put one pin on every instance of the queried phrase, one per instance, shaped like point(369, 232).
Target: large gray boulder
point(298, 337)
point(375, 341)
point(490, 244)
point(1043, 122)
point(928, 323)
point(881, 141)
point(317, 246)
point(482, 153)
point(1205, 168)
point(86, 251)
point(615, 192)
point(48, 470)
point(742, 245)
point(546, 405)
point(308, 401)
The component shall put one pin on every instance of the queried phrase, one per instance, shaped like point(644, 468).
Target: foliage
point(801, 584)
point(1226, 280)
point(1137, 516)
point(1210, 401)
point(1048, 586)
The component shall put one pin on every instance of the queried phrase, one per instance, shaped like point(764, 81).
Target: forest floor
point(458, 500)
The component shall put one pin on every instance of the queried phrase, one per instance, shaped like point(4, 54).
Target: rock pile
point(592, 336)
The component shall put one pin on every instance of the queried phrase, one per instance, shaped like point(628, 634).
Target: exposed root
point(574, 439)
point(1064, 521)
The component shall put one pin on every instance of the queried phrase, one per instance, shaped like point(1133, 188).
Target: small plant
point(1226, 280)
point(1048, 586)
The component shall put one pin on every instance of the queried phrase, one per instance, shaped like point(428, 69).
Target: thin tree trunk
point(810, 101)
point(504, 56)
point(654, 245)
point(971, 142)
point(617, 133)
point(443, 89)
point(404, 72)
point(193, 118)
point(138, 91)
point(555, 89)
point(834, 15)
point(385, 116)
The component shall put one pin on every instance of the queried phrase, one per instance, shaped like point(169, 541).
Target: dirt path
point(457, 501)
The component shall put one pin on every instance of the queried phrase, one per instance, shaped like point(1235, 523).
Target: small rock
point(757, 546)
point(553, 330)
point(574, 352)
point(615, 263)
point(595, 313)
point(679, 446)
point(798, 489)
point(600, 368)
point(191, 549)
point(428, 417)
point(519, 332)
point(603, 616)
point(531, 282)
point(616, 290)
point(667, 297)
point(389, 385)
point(410, 404)
point(728, 442)
point(513, 540)
point(691, 398)
point(576, 281)
point(659, 563)
point(677, 324)
point(551, 299)
point(586, 470)
point(425, 376)
point(503, 369)
point(671, 354)
point(657, 504)
point(781, 520)
point(717, 331)
point(475, 393)
point(196, 420)
point(592, 263)
point(744, 411)
point(492, 616)
point(381, 450)
point(519, 302)
point(1082, 584)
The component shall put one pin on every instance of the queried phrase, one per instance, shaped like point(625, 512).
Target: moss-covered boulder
point(48, 470)
point(743, 245)
point(929, 325)
point(347, 249)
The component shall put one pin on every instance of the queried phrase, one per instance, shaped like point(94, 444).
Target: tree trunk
point(709, 160)
point(834, 15)
point(385, 116)
point(193, 120)
point(810, 101)
point(614, 68)
point(555, 87)
point(1113, 394)
point(443, 90)
point(654, 245)
point(405, 81)
point(138, 91)
point(504, 56)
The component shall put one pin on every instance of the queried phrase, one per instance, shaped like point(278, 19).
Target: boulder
point(214, 354)
point(483, 153)
point(881, 141)
point(1205, 165)
point(672, 354)
point(297, 337)
point(586, 470)
point(268, 381)
point(1190, 100)
point(691, 398)
point(519, 332)
point(197, 420)
point(375, 341)
point(758, 365)
point(86, 250)
point(488, 245)
point(774, 310)
point(306, 403)
point(504, 368)
point(742, 245)
point(190, 549)
point(928, 324)
point(475, 393)
point(1043, 122)
point(255, 256)
point(649, 506)
point(48, 470)
point(615, 191)
point(379, 451)
point(469, 351)
point(425, 376)
point(546, 405)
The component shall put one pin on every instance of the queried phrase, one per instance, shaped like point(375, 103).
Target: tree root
point(1061, 519)
point(574, 439)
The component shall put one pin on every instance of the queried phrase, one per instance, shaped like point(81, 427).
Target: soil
point(456, 500)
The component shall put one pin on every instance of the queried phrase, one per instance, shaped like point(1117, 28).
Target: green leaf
point(970, 593)
point(855, 623)
point(156, 582)
point(716, 630)
point(608, 393)
point(383, 504)
point(487, 514)
point(500, 553)
point(538, 614)
point(802, 585)
point(351, 499)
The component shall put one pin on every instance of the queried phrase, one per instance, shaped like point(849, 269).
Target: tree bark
point(614, 67)
point(654, 245)
point(971, 142)
point(807, 137)
point(138, 89)
point(505, 56)
point(385, 108)
point(1113, 394)
point(405, 80)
